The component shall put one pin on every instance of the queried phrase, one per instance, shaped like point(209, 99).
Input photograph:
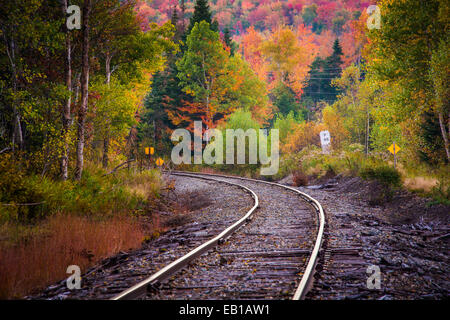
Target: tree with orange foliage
point(325, 43)
point(307, 40)
point(334, 123)
point(251, 48)
point(354, 41)
point(219, 83)
point(305, 134)
point(286, 59)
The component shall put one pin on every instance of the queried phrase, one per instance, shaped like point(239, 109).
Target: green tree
point(114, 113)
point(244, 90)
point(286, 125)
point(314, 88)
point(202, 12)
point(309, 14)
point(322, 72)
point(131, 52)
point(285, 100)
point(22, 24)
point(202, 69)
point(355, 102)
point(161, 105)
point(340, 19)
point(229, 42)
point(440, 77)
point(85, 69)
point(409, 52)
point(31, 81)
point(334, 62)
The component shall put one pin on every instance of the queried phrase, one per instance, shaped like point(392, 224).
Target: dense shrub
point(299, 178)
point(46, 223)
point(240, 119)
point(386, 180)
point(441, 192)
point(387, 176)
point(28, 197)
point(354, 161)
point(18, 198)
point(288, 164)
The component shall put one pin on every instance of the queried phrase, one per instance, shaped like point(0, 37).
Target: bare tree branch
point(5, 150)
point(119, 166)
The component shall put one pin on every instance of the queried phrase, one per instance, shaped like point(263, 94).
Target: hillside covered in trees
point(317, 61)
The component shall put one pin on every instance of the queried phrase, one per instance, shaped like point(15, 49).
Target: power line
point(319, 93)
point(329, 69)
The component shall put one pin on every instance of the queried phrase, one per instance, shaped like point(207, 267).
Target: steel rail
point(140, 288)
point(307, 278)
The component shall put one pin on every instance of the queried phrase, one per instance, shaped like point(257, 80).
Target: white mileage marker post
point(325, 140)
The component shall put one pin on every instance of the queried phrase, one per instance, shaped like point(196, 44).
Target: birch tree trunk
point(444, 134)
point(17, 136)
point(84, 90)
point(66, 116)
point(105, 159)
point(367, 131)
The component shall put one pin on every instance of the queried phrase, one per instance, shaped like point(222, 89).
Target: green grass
point(94, 195)
point(387, 176)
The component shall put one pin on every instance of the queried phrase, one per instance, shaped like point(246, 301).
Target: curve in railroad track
point(274, 256)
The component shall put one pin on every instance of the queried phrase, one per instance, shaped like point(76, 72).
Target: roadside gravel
point(412, 257)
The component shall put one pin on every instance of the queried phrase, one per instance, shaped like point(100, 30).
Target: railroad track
point(272, 256)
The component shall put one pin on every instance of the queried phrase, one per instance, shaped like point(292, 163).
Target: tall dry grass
point(425, 184)
point(64, 240)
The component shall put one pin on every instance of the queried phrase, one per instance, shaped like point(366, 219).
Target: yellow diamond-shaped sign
point(159, 162)
point(391, 149)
